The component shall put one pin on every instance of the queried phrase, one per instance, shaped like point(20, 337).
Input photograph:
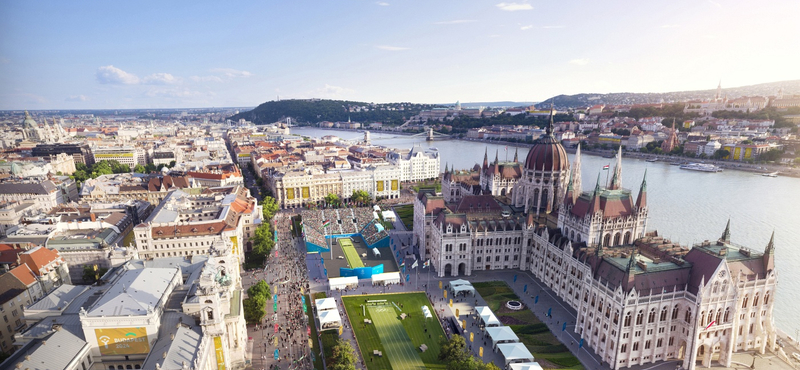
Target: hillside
point(317, 110)
point(588, 99)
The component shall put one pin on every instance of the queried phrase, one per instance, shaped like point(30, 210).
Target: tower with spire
point(499, 178)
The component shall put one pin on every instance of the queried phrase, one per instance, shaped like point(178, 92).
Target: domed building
point(32, 132)
point(544, 175)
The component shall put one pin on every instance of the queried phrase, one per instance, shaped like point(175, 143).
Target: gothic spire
point(594, 206)
point(632, 262)
point(486, 158)
point(726, 235)
point(445, 168)
point(641, 200)
point(616, 180)
point(568, 197)
point(550, 125)
point(771, 245)
point(516, 154)
point(576, 175)
point(497, 156)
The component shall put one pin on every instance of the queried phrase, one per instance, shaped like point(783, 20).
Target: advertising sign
point(306, 192)
point(380, 185)
point(394, 185)
point(219, 352)
point(122, 341)
point(289, 193)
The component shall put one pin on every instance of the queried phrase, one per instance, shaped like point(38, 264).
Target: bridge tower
point(366, 137)
point(430, 134)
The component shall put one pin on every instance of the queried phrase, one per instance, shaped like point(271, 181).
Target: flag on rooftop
point(605, 167)
point(327, 223)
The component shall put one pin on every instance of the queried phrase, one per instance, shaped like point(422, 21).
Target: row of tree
point(359, 197)
point(456, 355)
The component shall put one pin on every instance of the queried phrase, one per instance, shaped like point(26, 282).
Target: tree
point(254, 310)
point(453, 350)
point(332, 199)
point(269, 207)
point(262, 240)
point(90, 275)
point(721, 154)
point(260, 289)
point(360, 196)
point(771, 155)
point(344, 357)
point(139, 169)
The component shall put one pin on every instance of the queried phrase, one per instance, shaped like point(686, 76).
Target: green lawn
point(312, 324)
point(399, 340)
point(545, 347)
point(353, 259)
point(406, 214)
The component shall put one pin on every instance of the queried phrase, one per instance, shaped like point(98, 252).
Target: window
point(651, 317)
point(766, 299)
point(675, 312)
point(622, 349)
point(636, 346)
point(639, 318)
point(755, 300)
point(664, 314)
point(659, 343)
point(627, 321)
point(647, 345)
point(744, 303)
point(671, 341)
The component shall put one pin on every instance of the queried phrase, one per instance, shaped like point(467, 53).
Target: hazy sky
point(160, 54)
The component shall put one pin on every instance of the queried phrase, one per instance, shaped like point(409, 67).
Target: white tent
point(426, 312)
point(389, 216)
point(483, 310)
point(376, 252)
point(325, 304)
point(386, 278)
point(343, 282)
point(463, 288)
point(502, 334)
point(525, 366)
point(458, 282)
point(515, 353)
point(329, 319)
point(487, 316)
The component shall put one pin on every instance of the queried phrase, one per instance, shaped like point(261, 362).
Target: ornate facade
point(639, 297)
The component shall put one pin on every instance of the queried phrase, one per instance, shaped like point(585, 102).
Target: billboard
point(380, 185)
point(290, 193)
point(394, 185)
point(737, 153)
point(306, 192)
point(122, 341)
point(748, 152)
point(220, 352)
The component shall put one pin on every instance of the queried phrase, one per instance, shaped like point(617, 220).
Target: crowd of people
point(342, 221)
point(287, 329)
point(372, 233)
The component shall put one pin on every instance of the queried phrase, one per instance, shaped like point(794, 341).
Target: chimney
point(93, 217)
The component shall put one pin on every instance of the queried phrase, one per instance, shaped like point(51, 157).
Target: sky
point(187, 54)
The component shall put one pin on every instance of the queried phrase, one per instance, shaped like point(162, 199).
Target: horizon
point(195, 55)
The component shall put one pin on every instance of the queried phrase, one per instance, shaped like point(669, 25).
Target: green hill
point(316, 110)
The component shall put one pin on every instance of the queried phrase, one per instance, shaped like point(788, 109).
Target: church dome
point(29, 122)
point(547, 154)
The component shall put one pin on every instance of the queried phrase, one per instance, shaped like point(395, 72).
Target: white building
point(417, 164)
point(123, 154)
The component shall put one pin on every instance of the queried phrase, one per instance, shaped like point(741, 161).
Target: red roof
point(24, 274)
point(39, 257)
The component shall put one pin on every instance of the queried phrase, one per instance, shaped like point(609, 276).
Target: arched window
point(664, 314)
point(627, 239)
point(719, 316)
point(627, 322)
point(616, 316)
point(744, 303)
point(702, 317)
point(617, 238)
point(755, 300)
point(606, 240)
point(651, 317)
point(688, 316)
point(716, 287)
point(675, 312)
point(639, 317)
point(727, 314)
point(766, 299)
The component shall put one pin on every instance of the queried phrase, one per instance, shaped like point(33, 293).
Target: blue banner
point(525, 288)
point(326, 272)
point(408, 277)
point(277, 355)
point(550, 312)
point(536, 300)
point(275, 298)
point(303, 298)
point(580, 345)
point(515, 278)
point(564, 327)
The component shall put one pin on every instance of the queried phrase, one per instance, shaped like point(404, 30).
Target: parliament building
point(640, 298)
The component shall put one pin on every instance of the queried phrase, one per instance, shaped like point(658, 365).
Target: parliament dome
point(547, 154)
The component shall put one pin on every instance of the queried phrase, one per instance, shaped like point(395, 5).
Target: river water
point(685, 206)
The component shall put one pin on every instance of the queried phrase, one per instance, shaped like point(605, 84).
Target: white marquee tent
point(501, 334)
point(325, 304)
point(515, 353)
point(386, 278)
point(329, 319)
point(526, 366)
point(343, 282)
point(487, 316)
point(426, 312)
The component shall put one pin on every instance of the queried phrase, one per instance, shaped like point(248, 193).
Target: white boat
point(703, 167)
point(774, 174)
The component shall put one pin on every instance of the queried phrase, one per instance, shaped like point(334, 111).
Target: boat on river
point(774, 174)
point(702, 167)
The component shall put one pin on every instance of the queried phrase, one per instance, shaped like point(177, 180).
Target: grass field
point(406, 214)
point(545, 347)
point(312, 324)
point(353, 259)
point(398, 340)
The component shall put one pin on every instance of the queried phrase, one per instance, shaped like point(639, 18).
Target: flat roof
point(134, 293)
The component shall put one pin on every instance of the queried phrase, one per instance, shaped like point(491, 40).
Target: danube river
point(685, 206)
